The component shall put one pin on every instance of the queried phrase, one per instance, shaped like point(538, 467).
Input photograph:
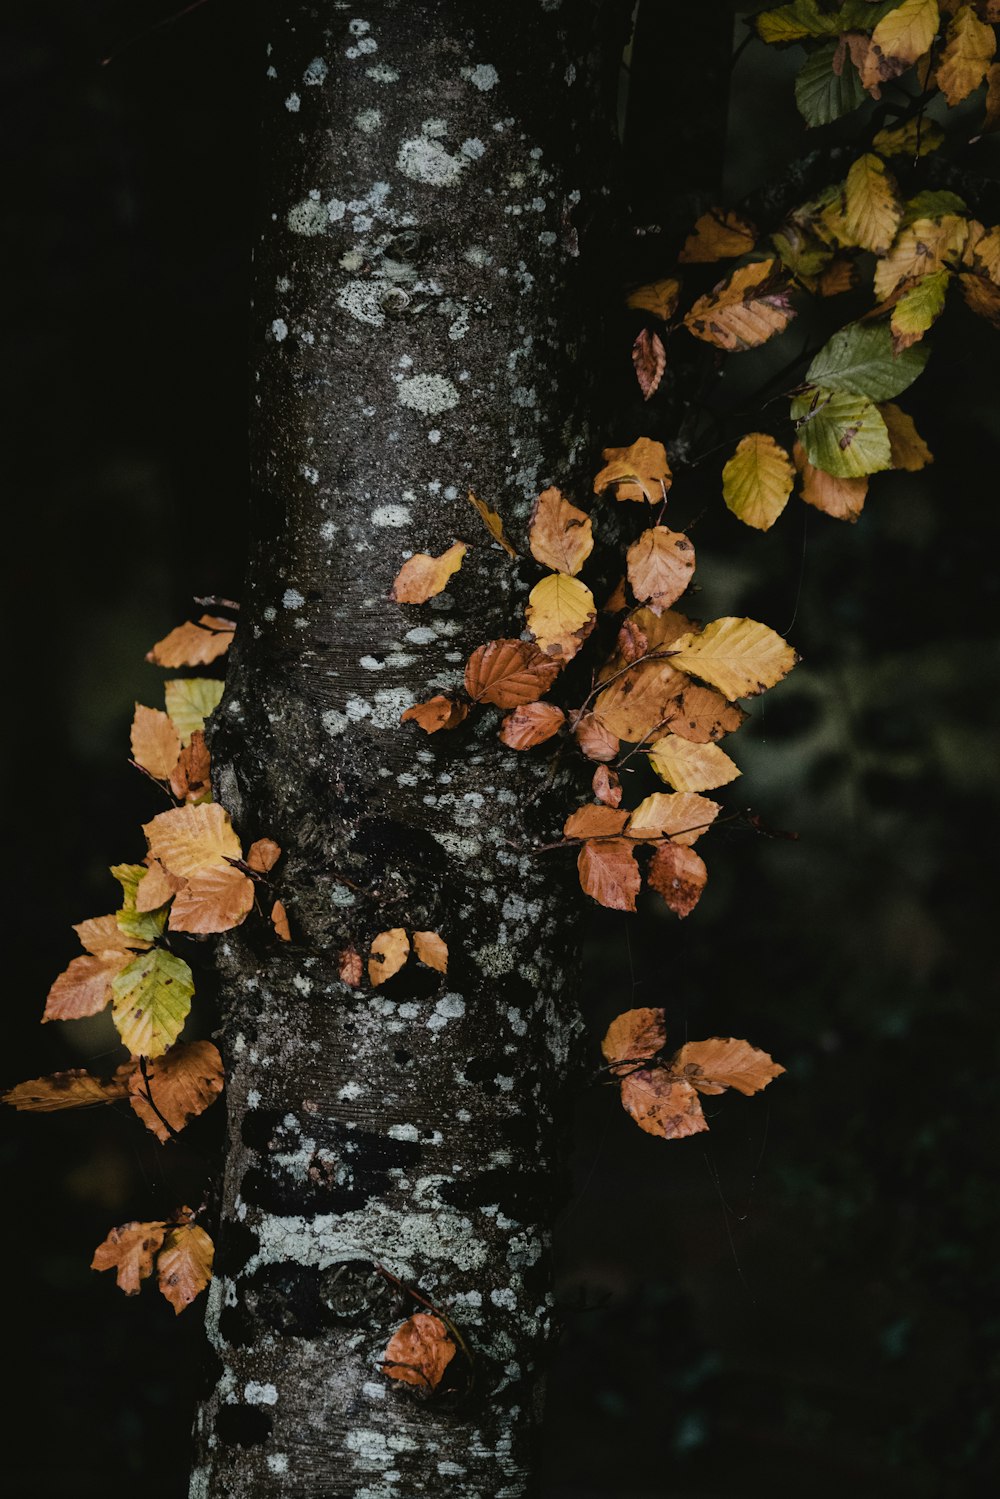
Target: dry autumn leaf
point(431, 950)
point(189, 839)
point(718, 235)
point(662, 1105)
point(508, 673)
point(607, 787)
point(102, 934)
point(649, 360)
point(214, 899)
point(84, 988)
point(422, 577)
point(184, 1264)
point(437, 713)
point(691, 767)
point(350, 967)
point(194, 644)
point(634, 1036)
point(658, 297)
point(129, 1251)
point(419, 1352)
point(703, 715)
point(679, 875)
point(389, 951)
point(182, 1084)
point(743, 311)
point(491, 520)
point(639, 472)
point(842, 498)
point(156, 744)
point(713, 1066)
point(279, 921)
point(262, 855)
point(968, 52)
point(75, 1089)
point(757, 481)
point(595, 820)
point(660, 566)
point(608, 872)
point(681, 816)
point(924, 246)
point(531, 724)
point(561, 536)
point(594, 740)
point(739, 656)
point(191, 778)
point(560, 614)
point(637, 702)
point(908, 449)
point(899, 39)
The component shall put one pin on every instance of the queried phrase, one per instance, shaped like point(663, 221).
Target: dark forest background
point(804, 1299)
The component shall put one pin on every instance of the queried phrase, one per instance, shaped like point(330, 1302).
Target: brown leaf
point(184, 1266)
point(214, 899)
point(703, 715)
point(431, 950)
point(635, 1035)
point(679, 875)
point(982, 297)
point(129, 1251)
point(638, 701)
point(75, 1089)
point(718, 235)
point(263, 854)
point(389, 952)
point(192, 838)
point(279, 921)
point(617, 600)
point(156, 744)
point(721, 1063)
point(191, 778)
point(662, 1105)
point(419, 1352)
point(593, 739)
point(561, 536)
point(350, 967)
point(839, 276)
point(660, 566)
point(84, 988)
point(649, 360)
point(842, 498)
point(609, 873)
point(193, 644)
point(607, 786)
point(102, 934)
point(156, 887)
point(508, 673)
point(183, 1083)
point(639, 472)
point(531, 724)
point(492, 522)
point(743, 311)
point(657, 297)
point(907, 448)
point(422, 577)
point(437, 713)
point(595, 820)
point(681, 816)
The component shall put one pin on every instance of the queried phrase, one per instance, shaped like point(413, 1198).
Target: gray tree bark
point(428, 172)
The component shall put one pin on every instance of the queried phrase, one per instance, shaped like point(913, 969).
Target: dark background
point(805, 1298)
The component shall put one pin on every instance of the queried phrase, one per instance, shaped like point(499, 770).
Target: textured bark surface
point(428, 172)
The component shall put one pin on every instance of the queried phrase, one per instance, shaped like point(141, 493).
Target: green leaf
point(842, 433)
point(805, 18)
point(150, 1000)
point(821, 94)
point(918, 307)
point(932, 204)
point(190, 700)
point(145, 926)
point(860, 359)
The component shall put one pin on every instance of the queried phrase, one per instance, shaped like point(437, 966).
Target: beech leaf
point(720, 1063)
point(190, 701)
point(491, 520)
point(193, 644)
point(214, 899)
point(744, 311)
point(860, 359)
point(681, 816)
point(691, 767)
point(607, 787)
point(419, 1352)
point(595, 820)
point(561, 536)
point(678, 874)
point(150, 1001)
point(649, 360)
point(191, 778)
point(703, 715)
point(431, 950)
point(822, 92)
point(183, 1083)
point(899, 39)
point(139, 928)
point(184, 1264)
point(188, 839)
point(84, 988)
point(657, 297)
point(560, 615)
point(262, 855)
point(843, 434)
point(634, 1036)
point(660, 566)
point(129, 1251)
point(872, 209)
point(508, 673)
point(422, 577)
point(907, 448)
point(156, 744)
point(738, 656)
point(437, 713)
point(279, 922)
point(350, 967)
point(389, 951)
point(757, 481)
point(103, 934)
point(531, 724)
point(638, 701)
point(609, 873)
point(75, 1089)
point(842, 498)
point(719, 234)
point(639, 472)
point(926, 245)
point(156, 888)
point(662, 1105)
point(594, 740)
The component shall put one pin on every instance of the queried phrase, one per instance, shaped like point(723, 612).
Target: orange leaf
point(638, 701)
point(703, 715)
point(421, 577)
point(681, 816)
point(649, 359)
point(389, 952)
point(431, 950)
point(635, 1035)
point(350, 967)
point(263, 854)
point(721, 1063)
point(182, 1083)
point(279, 920)
point(508, 673)
point(84, 988)
point(191, 778)
point(609, 873)
point(594, 740)
point(662, 1105)
point(492, 522)
point(192, 838)
point(595, 821)
point(907, 448)
point(76, 1089)
point(193, 644)
point(561, 536)
point(531, 724)
point(156, 888)
point(419, 1352)
point(102, 934)
point(660, 566)
point(640, 472)
point(156, 743)
point(743, 311)
point(607, 786)
point(679, 875)
point(657, 297)
point(213, 900)
point(184, 1266)
point(437, 713)
point(129, 1251)
point(844, 499)
point(718, 235)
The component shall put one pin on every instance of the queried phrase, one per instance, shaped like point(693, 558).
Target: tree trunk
point(426, 170)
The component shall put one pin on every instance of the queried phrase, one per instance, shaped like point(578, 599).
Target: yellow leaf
point(639, 472)
point(150, 1002)
point(924, 246)
point(637, 702)
point(191, 838)
point(899, 39)
point(560, 614)
point(739, 656)
point(982, 251)
point(917, 309)
point(156, 744)
point(423, 577)
point(967, 55)
point(872, 208)
point(190, 700)
point(842, 498)
point(718, 235)
point(561, 536)
point(907, 447)
point(691, 767)
point(744, 311)
point(918, 137)
point(491, 520)
point(757, 481)
point(660, 566)
point(659, 298)
point(184, 1264)
point(681, 816)
point(389, 951)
